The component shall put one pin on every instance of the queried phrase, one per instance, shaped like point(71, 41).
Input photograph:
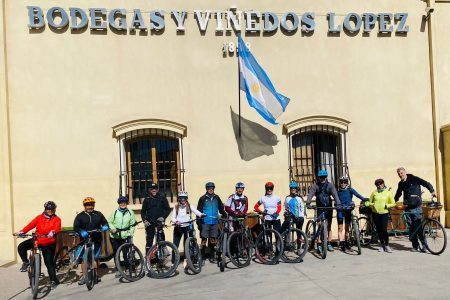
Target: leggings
point(48, 253)
point(381, 221)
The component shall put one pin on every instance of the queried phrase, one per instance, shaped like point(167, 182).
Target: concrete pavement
point(399, 275)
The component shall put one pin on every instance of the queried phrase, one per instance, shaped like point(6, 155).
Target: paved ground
point(399, 275)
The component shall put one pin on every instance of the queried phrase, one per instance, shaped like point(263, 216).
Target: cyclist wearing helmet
point(47, 225)
point(121, 218)
point(90, 219)
point(323, 190)
point(272, 207)
point(293, 207)
point(237, 203)
point(155, 206)
point(211, 205)
point(345, 193)
point(182, 213)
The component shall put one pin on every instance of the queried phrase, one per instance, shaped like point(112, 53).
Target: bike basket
point(434, 211)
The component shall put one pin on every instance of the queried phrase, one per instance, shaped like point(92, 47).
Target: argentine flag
point(261, 93)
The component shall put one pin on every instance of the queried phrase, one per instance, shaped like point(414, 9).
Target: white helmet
point(182, 195)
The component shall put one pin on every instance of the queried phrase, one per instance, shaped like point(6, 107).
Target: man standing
point(409, 185)
point(323, 190)
point(154, 206)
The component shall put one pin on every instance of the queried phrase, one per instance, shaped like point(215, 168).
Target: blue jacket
point(211, 205)
point(346, 196)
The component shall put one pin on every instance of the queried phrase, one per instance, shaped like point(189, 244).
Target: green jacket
point(119, 220)
point(380, 202)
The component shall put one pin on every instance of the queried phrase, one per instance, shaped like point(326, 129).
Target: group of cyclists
point(210, 209)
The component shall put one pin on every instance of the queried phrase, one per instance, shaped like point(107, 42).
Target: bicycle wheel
point(323, 229)
point(193, 255)
point(365, 231)
point(89, 268)
point(159, 259)
point(435, 237)
point(295, 245)
point(34, 271)
point(355, 236)
point(129, 262)
point(269, 246)
point(223, 252)
point(310, 234)
point(239, 249)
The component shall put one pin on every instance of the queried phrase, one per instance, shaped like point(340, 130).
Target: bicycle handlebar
point(129, 227)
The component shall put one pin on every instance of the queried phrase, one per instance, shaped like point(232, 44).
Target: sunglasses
point(269, 189)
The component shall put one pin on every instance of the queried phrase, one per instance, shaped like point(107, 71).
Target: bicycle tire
point(435, 237)
point(89, 268)
point(365, 230)
point(133, 268)
point(356, 236)
point(263, 248)
point(156, 262)
point(223, 253)
point(193, 255)
point(310, 234)
point(324, 238)
point(239, 249)
point(35, 272)
point(291, 245)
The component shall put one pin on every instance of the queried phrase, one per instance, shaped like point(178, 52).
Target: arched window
point(316, 143)
point(150, 151)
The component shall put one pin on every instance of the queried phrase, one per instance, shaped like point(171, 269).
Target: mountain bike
point(192, 249)
point(158, 258)
point(295, 243)
point(317, 230)
point(34, 267)
point(240, 244)
point(269, 244)
point(354, 230)
point(66, 259)
point(367, 230)
point(129, 259)
point(221, 245)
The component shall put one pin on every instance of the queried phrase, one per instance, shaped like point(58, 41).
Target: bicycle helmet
point(88, 200)
point(240, 185)
point(50, 205)
point(182, 195)
point(269, 185)
point(209, 185)
point(293, 185)
point(122, 199)
point(322, 173)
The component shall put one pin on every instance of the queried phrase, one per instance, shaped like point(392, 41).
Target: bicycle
point(240, 243)
point(295, 243)
point(34, 268)
point(269, 246)
point(221, 245)
point(192, 249)
point(158, 259)
point(367, 230)
point(70, 258)
point(129, 259)
point(433, 232)
point(317, 229)
point(354, 230)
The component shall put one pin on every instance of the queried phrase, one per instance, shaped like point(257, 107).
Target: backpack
point(322, 195)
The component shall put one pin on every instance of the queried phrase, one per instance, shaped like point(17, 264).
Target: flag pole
point(239, 87)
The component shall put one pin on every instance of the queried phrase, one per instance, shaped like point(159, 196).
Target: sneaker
point(319, 249)
point(24, 267)
point(185, 264)
point(82, 281)
point(342, 246)
point(118, 274)
point(416, 249)
point(330, 248)
point(53, 285)
point(381, 249)
point(388, 249)
point(347, 245)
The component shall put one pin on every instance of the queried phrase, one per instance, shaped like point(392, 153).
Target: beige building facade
point(154, 96)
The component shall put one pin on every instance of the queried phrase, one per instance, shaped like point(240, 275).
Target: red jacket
point(43, 226)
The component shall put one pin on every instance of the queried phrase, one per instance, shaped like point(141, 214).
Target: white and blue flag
point(261, 93)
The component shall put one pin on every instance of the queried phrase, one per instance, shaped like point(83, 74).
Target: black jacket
point(412, 195)
point(90, 221)
point(154, 208)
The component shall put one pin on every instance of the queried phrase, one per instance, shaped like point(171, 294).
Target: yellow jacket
point(379, 201)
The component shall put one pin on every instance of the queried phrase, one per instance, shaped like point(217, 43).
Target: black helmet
point(123, 199)
point(50, 205)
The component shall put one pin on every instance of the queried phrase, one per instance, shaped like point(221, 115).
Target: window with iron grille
point(313, 148)
point(151, 155)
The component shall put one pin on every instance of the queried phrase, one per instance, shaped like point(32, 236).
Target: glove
point(203, 215)
point(51, 234)
point(146, 223)
point(367, 203)
point(19, 233)
point(105, 228)
point(160, 219)
point(274, 216)
point(84, 234)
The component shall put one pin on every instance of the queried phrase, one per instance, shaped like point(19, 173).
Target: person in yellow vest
point(380, 201)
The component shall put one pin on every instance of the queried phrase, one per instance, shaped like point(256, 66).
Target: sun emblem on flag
point(255, 88)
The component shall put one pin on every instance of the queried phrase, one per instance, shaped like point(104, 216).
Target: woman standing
point(380, 201)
